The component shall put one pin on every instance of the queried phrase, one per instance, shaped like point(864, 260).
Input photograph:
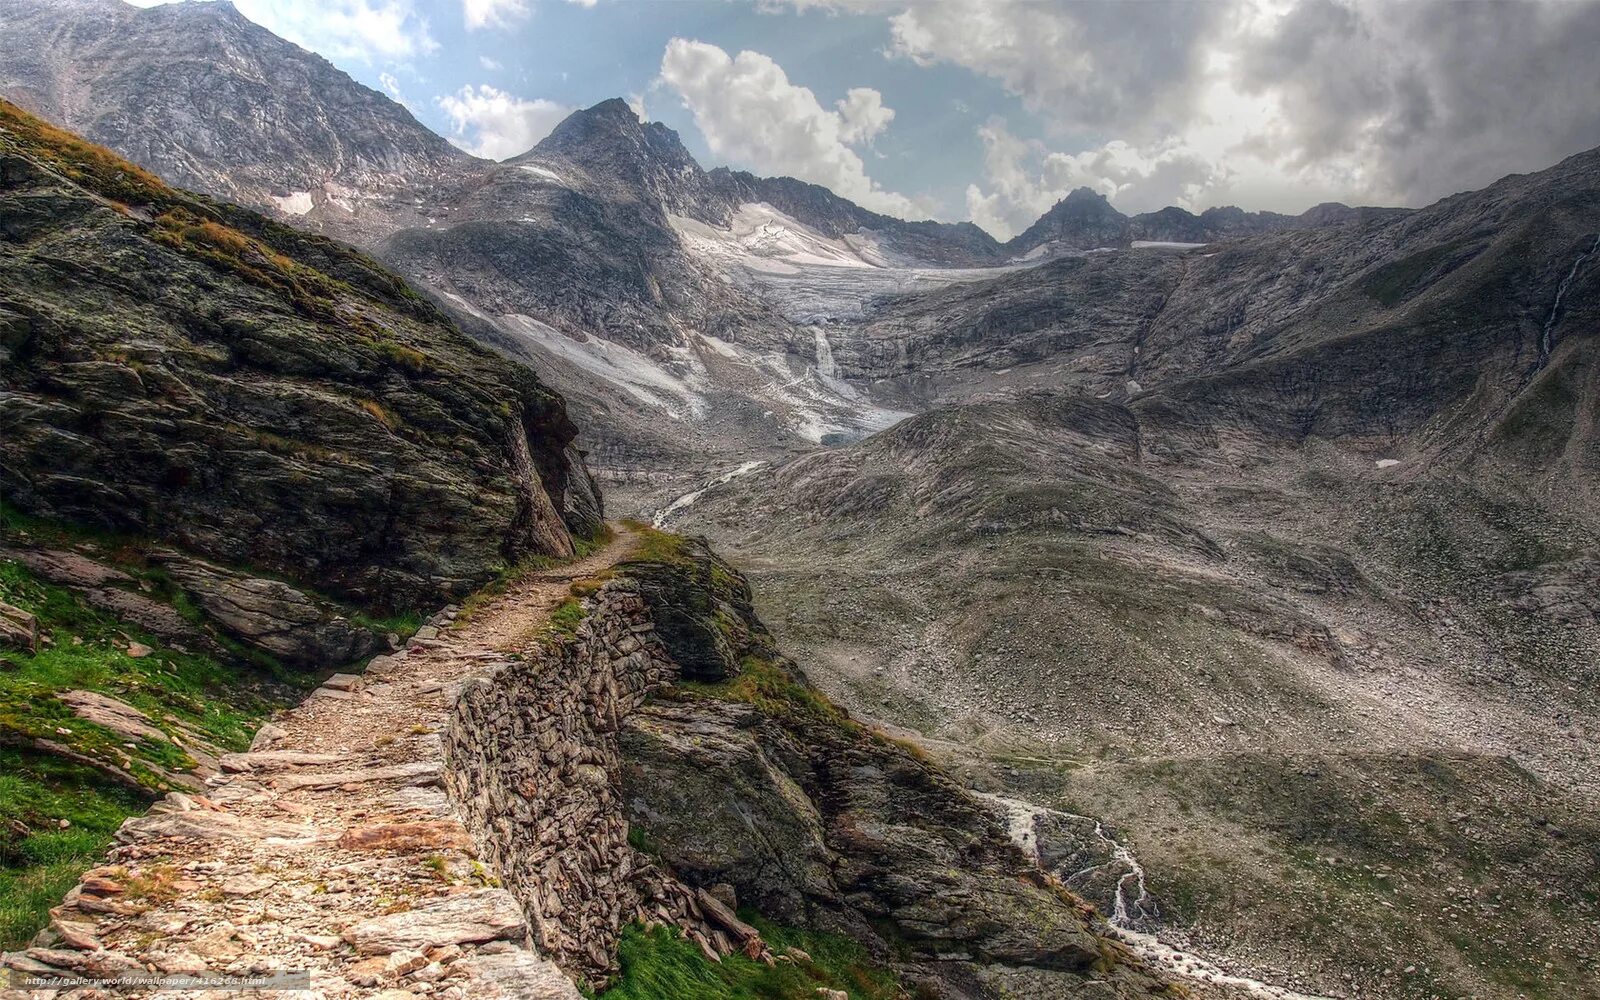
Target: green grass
point(403, 624)
point(183, 694)
point(1392, 282)
point(40, 861)
point(775, 691)
point(655, 546)
point(661, 964)
point(565, 619)
point(88, 651)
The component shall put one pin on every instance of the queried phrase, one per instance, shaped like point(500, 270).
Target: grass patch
point(661, 964)
point(1393, 282)
point(39, 860)
point(184, 694)
point(775, 691)
point(565, 619)
point(654, 545)
point(88, 651)
point(403, 624)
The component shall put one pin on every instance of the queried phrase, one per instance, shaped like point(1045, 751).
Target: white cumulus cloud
point(491, 123)
point(863, 114)
point(493, 13)
point(368, 31)
point(751, 114)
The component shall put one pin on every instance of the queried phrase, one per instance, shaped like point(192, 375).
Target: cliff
point(665, 763)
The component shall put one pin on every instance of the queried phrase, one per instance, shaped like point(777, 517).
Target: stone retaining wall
point(532, 762)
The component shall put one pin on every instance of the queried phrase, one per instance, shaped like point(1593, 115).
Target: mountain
point(1085, 220)
point(682, 313)
point(212, 102)
point(1250, 589)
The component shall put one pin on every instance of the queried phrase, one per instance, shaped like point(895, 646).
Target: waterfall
point(1546, 337)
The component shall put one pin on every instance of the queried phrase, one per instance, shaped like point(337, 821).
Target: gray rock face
point(817, 824)
point(189, 371)
point(241, 114)
point(271, 615)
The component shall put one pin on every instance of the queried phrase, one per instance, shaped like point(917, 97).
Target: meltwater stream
point(1546, 344)
point(1133, 907)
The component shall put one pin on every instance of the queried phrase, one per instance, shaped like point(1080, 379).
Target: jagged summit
point(1086, 219)
point(640, 160)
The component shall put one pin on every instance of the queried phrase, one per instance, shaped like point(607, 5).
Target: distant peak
point(611, 106)
point(1083, 194)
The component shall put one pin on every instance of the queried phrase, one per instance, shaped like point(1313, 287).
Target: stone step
point(273, 760)
point(421, 772)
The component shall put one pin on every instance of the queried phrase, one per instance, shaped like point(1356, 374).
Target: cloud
point(1419, 100)
point(863, 114)
point(1266, 103)
point(367, 31)
point(391, 86)
point(752, 115)
point(1023, 179)
point(494, 124)
point(492, 65)
point(493, 13)
point(1083, 64)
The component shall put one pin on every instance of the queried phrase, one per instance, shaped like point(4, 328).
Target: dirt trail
point(330, 846)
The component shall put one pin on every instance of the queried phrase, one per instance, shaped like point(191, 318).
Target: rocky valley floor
point(1347, 751)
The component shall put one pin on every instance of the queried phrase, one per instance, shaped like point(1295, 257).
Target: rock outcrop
point(190, 372)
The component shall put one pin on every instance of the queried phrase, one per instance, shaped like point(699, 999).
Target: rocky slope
point(234, 456)
point(1340, 576)
point(211, 102)
point(1267, 565)
point(677, 309)
point(190, 372)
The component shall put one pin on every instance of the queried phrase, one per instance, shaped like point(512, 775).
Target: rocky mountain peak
point(206, 98)
point(641, 160)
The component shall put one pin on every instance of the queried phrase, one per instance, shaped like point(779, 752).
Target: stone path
point(329, 847)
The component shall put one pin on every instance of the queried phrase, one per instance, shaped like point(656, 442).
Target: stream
point(1546, 342)
point(1133, 907)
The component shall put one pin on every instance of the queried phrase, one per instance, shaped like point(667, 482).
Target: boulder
point(19, 629)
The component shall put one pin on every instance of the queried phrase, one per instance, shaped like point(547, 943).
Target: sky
point(992, 110)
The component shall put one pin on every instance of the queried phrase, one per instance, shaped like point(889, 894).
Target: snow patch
point(660, 519)
point(1165, 245)
point(545, 173)
point(1384, 463)
point(644, 379)
point(294, 203)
